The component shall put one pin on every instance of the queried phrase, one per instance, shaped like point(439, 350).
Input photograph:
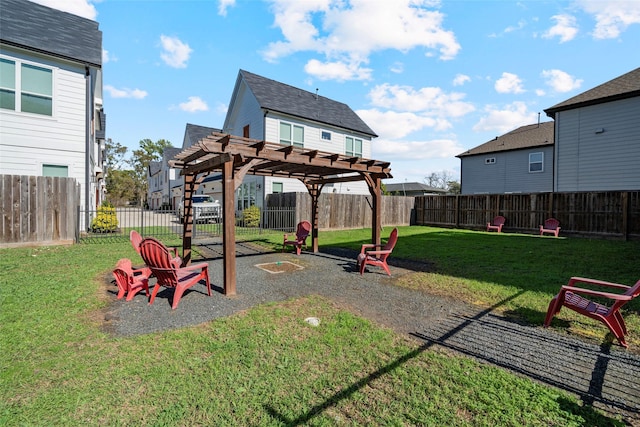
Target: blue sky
point(431, 78)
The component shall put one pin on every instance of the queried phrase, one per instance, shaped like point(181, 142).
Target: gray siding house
point(598, 137)
point(51, 117)
point(520, 161)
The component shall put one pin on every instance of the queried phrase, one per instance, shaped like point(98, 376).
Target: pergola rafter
point(236, 156)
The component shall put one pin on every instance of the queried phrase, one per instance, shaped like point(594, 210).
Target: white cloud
point(194, 104)
point(339, 71)
point(560, 81)
point(511, 117)
point(512, 28)
point(432, 100)
point(83, 8)
point(394, 124)
point(351, 31)
point(224, 5)
point(105, 56)
point(509, 83)
point(391, 150)
point(612, 17)
point(565, 28)
point(461, 79)
point(125, 93)
point(221, 108)
point(175, 52)
point(397, 67)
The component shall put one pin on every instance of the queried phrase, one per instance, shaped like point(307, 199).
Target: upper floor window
point(26, 88)
point(291, 134)
point(55, 170)
point(489, 161)
point(326, 135)
point(536, 162)
point(276, 187)
point(353, 147)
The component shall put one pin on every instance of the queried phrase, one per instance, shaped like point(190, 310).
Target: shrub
point(106, 220)
point(251, 216)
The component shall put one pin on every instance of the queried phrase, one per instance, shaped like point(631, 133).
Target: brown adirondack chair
point(130, 280)
point(551, 226)
point(570, 296)
point(377, 255)
point(496, 224)
point(168, 273)
point(302, 232)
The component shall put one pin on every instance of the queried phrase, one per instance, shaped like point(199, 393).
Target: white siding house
point(161, 179)
point(51, 117)
point(265, 109)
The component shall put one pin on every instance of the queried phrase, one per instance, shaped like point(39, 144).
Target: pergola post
point(229, 233)
point(187, 226)
point(314, 192)
point(376, 217)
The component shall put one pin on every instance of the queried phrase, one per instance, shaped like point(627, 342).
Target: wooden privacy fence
point(343, 211)
point(610, 214)
point(38, 209)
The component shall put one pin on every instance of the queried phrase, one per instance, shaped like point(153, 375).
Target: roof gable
point(42, 29)
point(194, 133)
point(280, 97)
point(528, 136)
point(625, 86)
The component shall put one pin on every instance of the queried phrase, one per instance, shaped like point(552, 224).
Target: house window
point(55, 170)
point(29, 91)
point(245, 131)
point(326, 135)
point(291, 134)
point(276, 187)
point(489, 160)
point(246, 195)
point(536, 162)
point(353, 147)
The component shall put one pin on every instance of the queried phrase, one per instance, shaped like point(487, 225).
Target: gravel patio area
point(606, 376)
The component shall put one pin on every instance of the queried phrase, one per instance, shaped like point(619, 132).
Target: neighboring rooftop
point(195, 133)
point(280, 97)
point(413, 188)
point(625, 86)
point(38, 28)
point(535, 135)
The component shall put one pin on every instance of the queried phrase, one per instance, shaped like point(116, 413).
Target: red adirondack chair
point(168, 273)
point(302, 232)
point(609, 315)
point(370, 256)
point(551, 226)
point(130, 280)
point(496, 224)
point(136, 239)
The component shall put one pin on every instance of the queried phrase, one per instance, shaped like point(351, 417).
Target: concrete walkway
point(606, 376)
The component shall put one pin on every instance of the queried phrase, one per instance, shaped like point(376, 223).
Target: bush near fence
point(606, 214)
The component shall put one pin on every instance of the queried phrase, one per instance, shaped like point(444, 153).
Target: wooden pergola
point(236, 156)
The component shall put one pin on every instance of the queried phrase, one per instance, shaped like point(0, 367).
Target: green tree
point(121, 187)
point(148, 152)
point(454, 187)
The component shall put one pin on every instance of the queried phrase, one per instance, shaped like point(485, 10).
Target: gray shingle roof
point(280, 97)
point(523, 137)
point(169, 153)
point(42, 29)
point(413, 186)
point(625, 86)
point(195, 133)
point(154, 167)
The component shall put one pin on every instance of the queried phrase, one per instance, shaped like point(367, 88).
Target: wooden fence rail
point(36, 209)
point(609, 214)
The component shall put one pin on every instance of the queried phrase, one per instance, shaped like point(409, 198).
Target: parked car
point(205, 209)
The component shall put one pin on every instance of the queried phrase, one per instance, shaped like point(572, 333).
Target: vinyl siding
point(509, 174)
point(607, 161)
point(28, 140)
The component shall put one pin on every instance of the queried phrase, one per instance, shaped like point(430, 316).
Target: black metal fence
point(114, 224)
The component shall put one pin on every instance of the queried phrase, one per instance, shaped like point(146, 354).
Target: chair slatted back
point(391, 243)
point(158, 258)
point(304, 228)
point(135, 239)
point(551, 224)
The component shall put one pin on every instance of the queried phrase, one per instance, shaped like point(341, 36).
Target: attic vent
point(489, 160)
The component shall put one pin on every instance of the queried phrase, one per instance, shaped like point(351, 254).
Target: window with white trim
point(353, 147)
point(276, 187)
point(55, 170)
point(291, 134)
point(26, 88)
point(489, 160)
point(536, 162)
point(326, 135)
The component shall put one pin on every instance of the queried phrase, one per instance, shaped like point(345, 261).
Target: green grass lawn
point(267, 366)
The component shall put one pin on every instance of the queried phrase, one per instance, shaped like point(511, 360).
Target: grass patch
point(262, 367)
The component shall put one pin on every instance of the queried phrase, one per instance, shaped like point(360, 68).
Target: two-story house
point(520, 161)
point(161, 179)
point(598, 137)
point(51, 117)
point(264, 109)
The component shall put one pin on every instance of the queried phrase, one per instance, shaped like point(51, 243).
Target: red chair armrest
point(378, 252)
point(575, 280)
point(200, 265)
point(597, 293)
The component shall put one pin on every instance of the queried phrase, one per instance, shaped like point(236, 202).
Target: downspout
point(87, 154)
